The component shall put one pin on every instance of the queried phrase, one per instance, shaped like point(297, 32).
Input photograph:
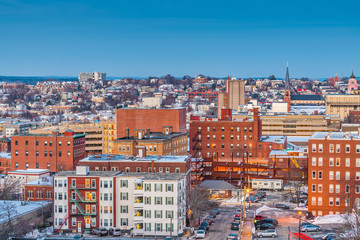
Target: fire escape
point(197, 162)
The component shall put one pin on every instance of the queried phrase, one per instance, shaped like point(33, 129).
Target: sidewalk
point(247, 231)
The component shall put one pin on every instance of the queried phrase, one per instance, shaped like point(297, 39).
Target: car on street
point(238, 215)
point(99, 231)
point(239, 210)
point(282, 206)
point(115, 232)
point(305, 224)
point(265, 226)
point(252, 199)
point(206, 225)
point(310, 228)
point(267, 233)
point(267, 220)
point(209, 219)
point(235, 226)
point(202, 228)
point(237, 219)
point(329, 236)
point(200, 234)
point(259, 217)
point(217, 211)
point(232, 236)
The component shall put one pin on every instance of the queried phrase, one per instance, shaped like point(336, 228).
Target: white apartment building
point(145, 204)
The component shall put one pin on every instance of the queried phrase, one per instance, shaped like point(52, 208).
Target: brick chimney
point(148, 133)
point(127, 132)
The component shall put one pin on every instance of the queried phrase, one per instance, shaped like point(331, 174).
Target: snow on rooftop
point(336, 135)
point(297, 139)
point(5, 155)
point(275, 139)
point(30, 171)
point(48, 181)
point(105, 157)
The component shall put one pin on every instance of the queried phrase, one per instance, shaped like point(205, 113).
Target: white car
point(200, 234)
point(268, 233)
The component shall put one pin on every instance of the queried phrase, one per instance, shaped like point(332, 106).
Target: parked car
point(206, 225)
point(281, 205)
point(200, 234)
point(202, 228)
point(268, 233)
point(100, 231)
point(267, 220)
point(238, 215)
point(252, 199)
point(305, 224)
point(235, 226)
point(209, 220)
point(239, 210)
point(328, 236)
point(217, 211)
point(232, 236)
point(310, 228)
point(79, 237)
point(265, 226)
point(259, 217)
point(237, 219)
point(115, 232)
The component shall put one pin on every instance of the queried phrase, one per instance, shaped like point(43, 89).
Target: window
point(158, 213)
point(347, 148)
point(313, 201)
point(147, 187)
point(222, 137)
point(331, 175)
point(320, 161)
point(222, 129)
point(26, 143)
point(338, 162)
point(313, 188)
point(147, 213)
point(347, 162)
point(16, 153)
point(138, 169)
point(16, 143)
point(347, 188)
point(337, 188)
point(214, 136)
point(27, 165)
point(124, 221)
point(148, 227)
point(50, 143)
point(148, 200)
point(337, 175)
point(169, 214)
point(45, 153)
point(313, 174)
point(331, 148)
point(158, 227)
point(331, 188)
point(124, 196)
point(357, 175)
point(169, 187)
point(320, 188)
point(320, 201)
point(45, 143)
point(357, 148)
point(314, 161)
point(169, 200)
point(68, 143)
point(337, 148)
point(357, 188)
point(320, 174)
point(158, 200)
point(73, 222)
point(73, 183)
point(158, 187)
point(337, 201)
point(124, 209)
point(68, 153)
point(347, 175)
point(50, 153)
point(320, 148)
point(59, 153)
point(314, 148)
point(331, 201)
point(177, 170)
point(59, 143)
point(358, 162)
point(26, 153)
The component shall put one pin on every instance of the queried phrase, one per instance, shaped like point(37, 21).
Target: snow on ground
point(265, 209)
point(35, 233)
point(329, 219)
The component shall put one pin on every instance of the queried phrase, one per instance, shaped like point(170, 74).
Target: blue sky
point(252, 38)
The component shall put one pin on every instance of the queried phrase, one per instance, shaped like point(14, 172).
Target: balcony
point(139, 188)
point(139, 215)
point(139, 202)
point(82, 186)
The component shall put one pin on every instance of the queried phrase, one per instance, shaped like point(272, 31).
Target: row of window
point(39, 194)
point(231, 129)
point(332, 201)
point(319, 148)
point(334, 162)
point(27, 165)
point(45, 153)
point(45, 143)
point(138, 169)
point(213, 145)
point(337, 188)
point(231, 137)
point(237, 154)
point(337, 175)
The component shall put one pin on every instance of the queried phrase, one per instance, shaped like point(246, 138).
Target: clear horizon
point(154, 38)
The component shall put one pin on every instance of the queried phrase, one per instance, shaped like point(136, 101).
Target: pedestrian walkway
point(247, 230)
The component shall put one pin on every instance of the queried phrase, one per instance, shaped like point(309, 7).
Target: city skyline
point(247, 39)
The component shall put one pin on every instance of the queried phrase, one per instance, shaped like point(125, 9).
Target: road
point(221, 228)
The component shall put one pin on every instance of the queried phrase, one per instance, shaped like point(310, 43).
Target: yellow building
point(109, 134)
point(341, 104)
point(144, 143)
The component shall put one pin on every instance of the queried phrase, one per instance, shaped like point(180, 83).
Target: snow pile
point(265, 208)
point(301, 208)
point(329, 219)
point(35, 233)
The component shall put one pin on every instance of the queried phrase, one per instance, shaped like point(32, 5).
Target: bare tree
point(200, 204)
point(10, 188)
point(7, 212)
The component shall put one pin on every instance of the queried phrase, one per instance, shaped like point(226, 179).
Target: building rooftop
point(50, 135)
point(5, 155)
point(30, 171)
point(45, 181)
point(124, 158)
point(274, 139)
point(154, 136)
point(336, 135)
point(216, 184)
point(141, 175)
point(307, 97)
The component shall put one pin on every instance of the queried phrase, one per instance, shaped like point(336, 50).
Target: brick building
point(167, 164)
point(154, 119)
point(354, 116)
point(5, 160)
point(333, 172)
point(144, 204)
point(47, 151)
point(39, 190)
point(209, 95)
point(144, 143)
point(5, 144)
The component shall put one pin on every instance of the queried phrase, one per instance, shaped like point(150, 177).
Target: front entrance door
point(87, 222)
point(79, 227)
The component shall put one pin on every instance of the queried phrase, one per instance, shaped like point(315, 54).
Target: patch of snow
point(265, 208)
point(328, 219)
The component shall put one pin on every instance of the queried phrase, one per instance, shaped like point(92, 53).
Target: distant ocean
point(34, 80)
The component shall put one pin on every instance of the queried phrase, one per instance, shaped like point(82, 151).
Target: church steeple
point(287, 80)
point(352, 74)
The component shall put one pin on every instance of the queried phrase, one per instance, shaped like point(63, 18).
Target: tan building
point(233, 97)
point(109, 135)
point(342, 104)
point(93, 131)
point(147, 143)
point(299, 125)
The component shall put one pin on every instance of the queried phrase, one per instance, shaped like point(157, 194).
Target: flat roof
point(124, 158)
point(274, 139)
point(45, 181)
point(336, 135)
point(5, 155)
point(141, 175)
point(154, 136)
point(30, 171)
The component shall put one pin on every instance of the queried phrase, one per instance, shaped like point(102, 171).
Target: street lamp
point(248, 191)
point(299, 213)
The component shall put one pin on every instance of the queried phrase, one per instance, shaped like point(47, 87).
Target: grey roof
point(216, 184)
point(307, 97)
point(154, 136)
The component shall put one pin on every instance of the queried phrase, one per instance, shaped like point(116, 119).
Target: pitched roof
point(216, 184)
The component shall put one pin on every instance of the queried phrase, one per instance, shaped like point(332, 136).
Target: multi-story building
point(298, 125)
point(12, 128)
point(5, 144)
point(109, 135)
point(39, 190)
point(154, 119)
point(146, 204)
point(333, 172)
point(5, 160)
point(55, 151)
point(352, 84)
point(234, 95)
point(92, 77)
point(93, 139)
point(354, 116)
point(161, 143)
point(209, 95)
point(166, 164)
point(341, 104)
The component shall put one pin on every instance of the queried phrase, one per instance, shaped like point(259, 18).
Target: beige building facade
point(234, 95)
point(341, 104)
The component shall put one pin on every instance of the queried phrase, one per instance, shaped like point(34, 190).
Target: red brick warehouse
point(47, 151)
point(154, 119)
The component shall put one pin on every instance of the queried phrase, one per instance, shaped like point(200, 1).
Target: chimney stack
point(127, 132)
point(148, 133)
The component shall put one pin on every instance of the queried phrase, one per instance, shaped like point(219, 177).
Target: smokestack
point(127, 132)
point(148, 133)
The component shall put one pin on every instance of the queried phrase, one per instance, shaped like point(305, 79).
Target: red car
point(259, 217)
